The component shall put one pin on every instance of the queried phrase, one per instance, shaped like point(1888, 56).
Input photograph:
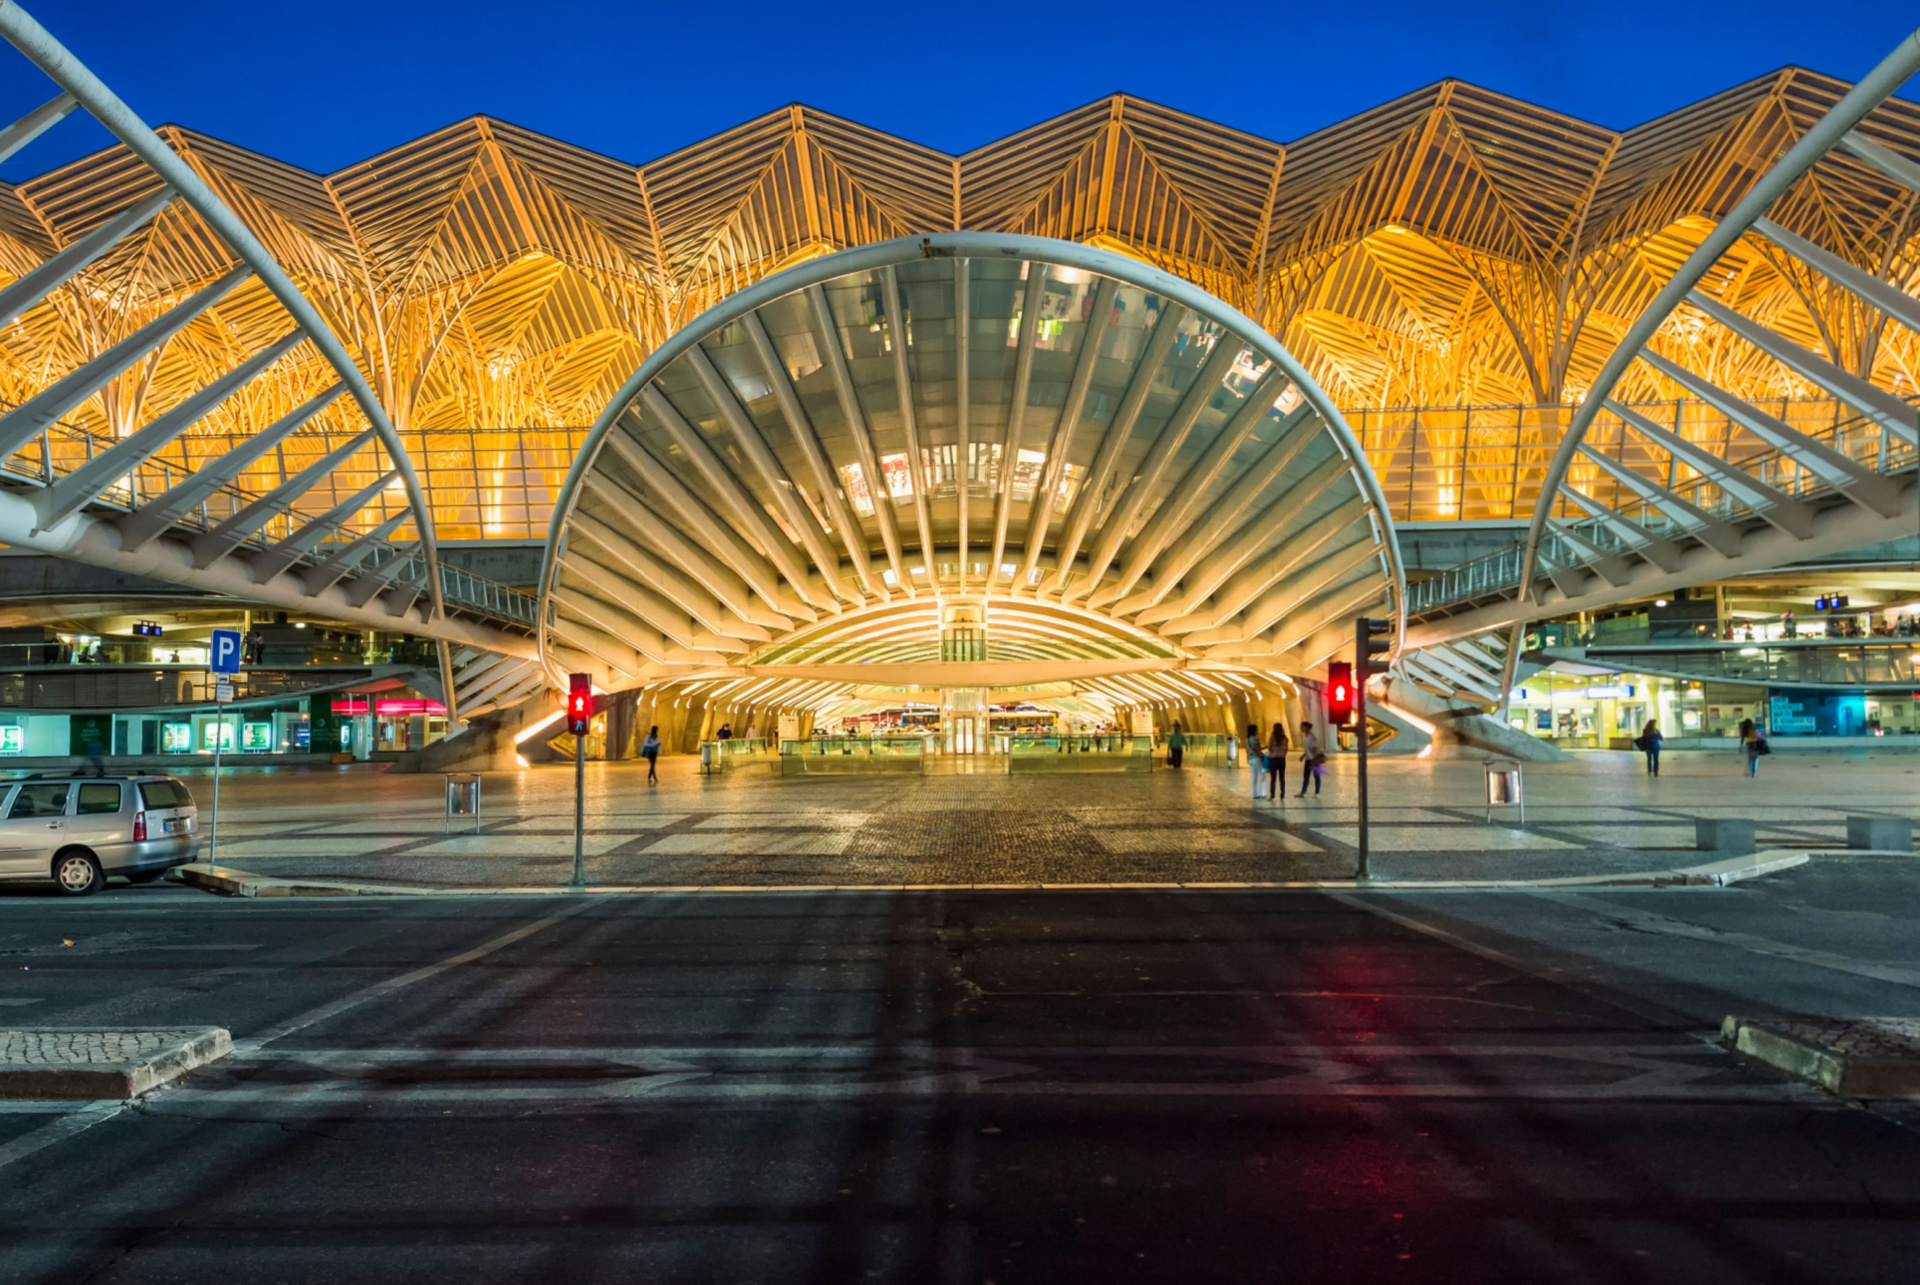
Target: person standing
point(650, 751)
point(725, 733)
point(1277, 762)
point(1650, 745)
point(1256, 768)
point(1176, 747)
point(1312, 760)
point(1753, 745)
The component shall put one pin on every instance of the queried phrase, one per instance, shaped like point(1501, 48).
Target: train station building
point(886, 459)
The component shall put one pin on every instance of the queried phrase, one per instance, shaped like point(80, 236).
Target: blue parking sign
point(224, 658)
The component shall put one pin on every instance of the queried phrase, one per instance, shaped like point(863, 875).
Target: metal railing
point(1857, 437)
point(1800, 664)
point(63, 447)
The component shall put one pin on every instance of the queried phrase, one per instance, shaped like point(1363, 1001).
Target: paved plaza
point(1598, 815)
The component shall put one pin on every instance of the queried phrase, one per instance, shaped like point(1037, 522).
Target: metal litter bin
point(706, 756)
point(463, 798)
point(1504, 789)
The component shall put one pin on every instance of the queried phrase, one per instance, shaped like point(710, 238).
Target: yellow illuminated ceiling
point(1453, 247)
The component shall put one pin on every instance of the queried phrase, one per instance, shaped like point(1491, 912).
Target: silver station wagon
point(76, 830)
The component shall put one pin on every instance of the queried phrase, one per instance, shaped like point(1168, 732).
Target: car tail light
point(139, 827)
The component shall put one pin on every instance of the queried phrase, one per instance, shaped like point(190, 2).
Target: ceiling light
point(1659, 602)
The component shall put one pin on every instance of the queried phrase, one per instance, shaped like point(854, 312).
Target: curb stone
point(1869, 1057)
point(227, 881)
point(97, 1063)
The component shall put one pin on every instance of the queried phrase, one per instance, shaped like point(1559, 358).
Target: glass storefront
point(1609, 711)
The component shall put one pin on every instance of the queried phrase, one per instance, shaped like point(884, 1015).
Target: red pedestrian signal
point(1339, 693)
point(579, 702)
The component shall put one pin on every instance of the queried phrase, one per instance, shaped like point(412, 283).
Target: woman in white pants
point(1256, 758)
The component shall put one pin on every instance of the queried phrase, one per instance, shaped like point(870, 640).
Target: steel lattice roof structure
point(1455, 247)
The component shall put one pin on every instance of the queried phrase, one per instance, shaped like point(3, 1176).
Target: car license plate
point(172, 826)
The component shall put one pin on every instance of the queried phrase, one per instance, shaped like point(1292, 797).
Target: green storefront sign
point(323, 727)
point(91, 734)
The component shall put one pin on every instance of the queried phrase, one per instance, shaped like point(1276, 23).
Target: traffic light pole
point(579, 716)
point(579, 811)
point(1360, 717)
point(1365, 648)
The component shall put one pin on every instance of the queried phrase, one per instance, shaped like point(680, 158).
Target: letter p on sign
point(224, 658)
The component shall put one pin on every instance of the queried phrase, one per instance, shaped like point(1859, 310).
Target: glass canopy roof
point(964, 417)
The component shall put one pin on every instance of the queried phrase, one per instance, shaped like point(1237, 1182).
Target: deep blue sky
point(323, 85)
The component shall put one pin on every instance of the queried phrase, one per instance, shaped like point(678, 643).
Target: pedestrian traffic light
point(1339, 693)
point(1367, 643)
point(579, 702)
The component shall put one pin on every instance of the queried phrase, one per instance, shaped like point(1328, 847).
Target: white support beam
point(282, 555)
point(827, 337)
point(1016, 415)
point(72, 259)
point(1774, 505)
point(1053, 471)
point(86, 483)
point(1717, 533)
point(210, 546)
point(746, 434)
point(1857, 482)
point(83, 538)
point(1087, 504)
point(161, 512)
point(1656, 549)
point(1213, 371)
point(704, 525)
point(35, 123)
point(1880, 406)
point(800, 426)
point(901, 333)
point(1173, 515)
point(25, 422)
point(740, 503)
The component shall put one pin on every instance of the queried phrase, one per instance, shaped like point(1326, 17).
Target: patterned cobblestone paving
point(1596, 816)
point(29, 1048)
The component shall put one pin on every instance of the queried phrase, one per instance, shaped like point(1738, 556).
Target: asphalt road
point(934, 1087)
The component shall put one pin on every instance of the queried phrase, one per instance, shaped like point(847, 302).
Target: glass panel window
point(855, 484)
point(899, 477)
point(98, 799)
point(165, 794)
point(1026, 473)
point(49, 800)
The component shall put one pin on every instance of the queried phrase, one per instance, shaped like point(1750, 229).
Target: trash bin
point(706, 756)
point(1503, 788)
point(463, 798)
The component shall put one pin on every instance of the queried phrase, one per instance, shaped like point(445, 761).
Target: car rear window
point(98, 799)
point(40, 801)
point(165, 794)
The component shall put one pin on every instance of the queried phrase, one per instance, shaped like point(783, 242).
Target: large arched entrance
point(962, 470)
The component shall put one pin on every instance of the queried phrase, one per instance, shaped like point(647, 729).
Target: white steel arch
point(1644, 507)
point(212, 524)
point(1011, 420)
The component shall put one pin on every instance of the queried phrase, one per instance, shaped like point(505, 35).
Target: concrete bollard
point(1734, 838)
point(1880, 834)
